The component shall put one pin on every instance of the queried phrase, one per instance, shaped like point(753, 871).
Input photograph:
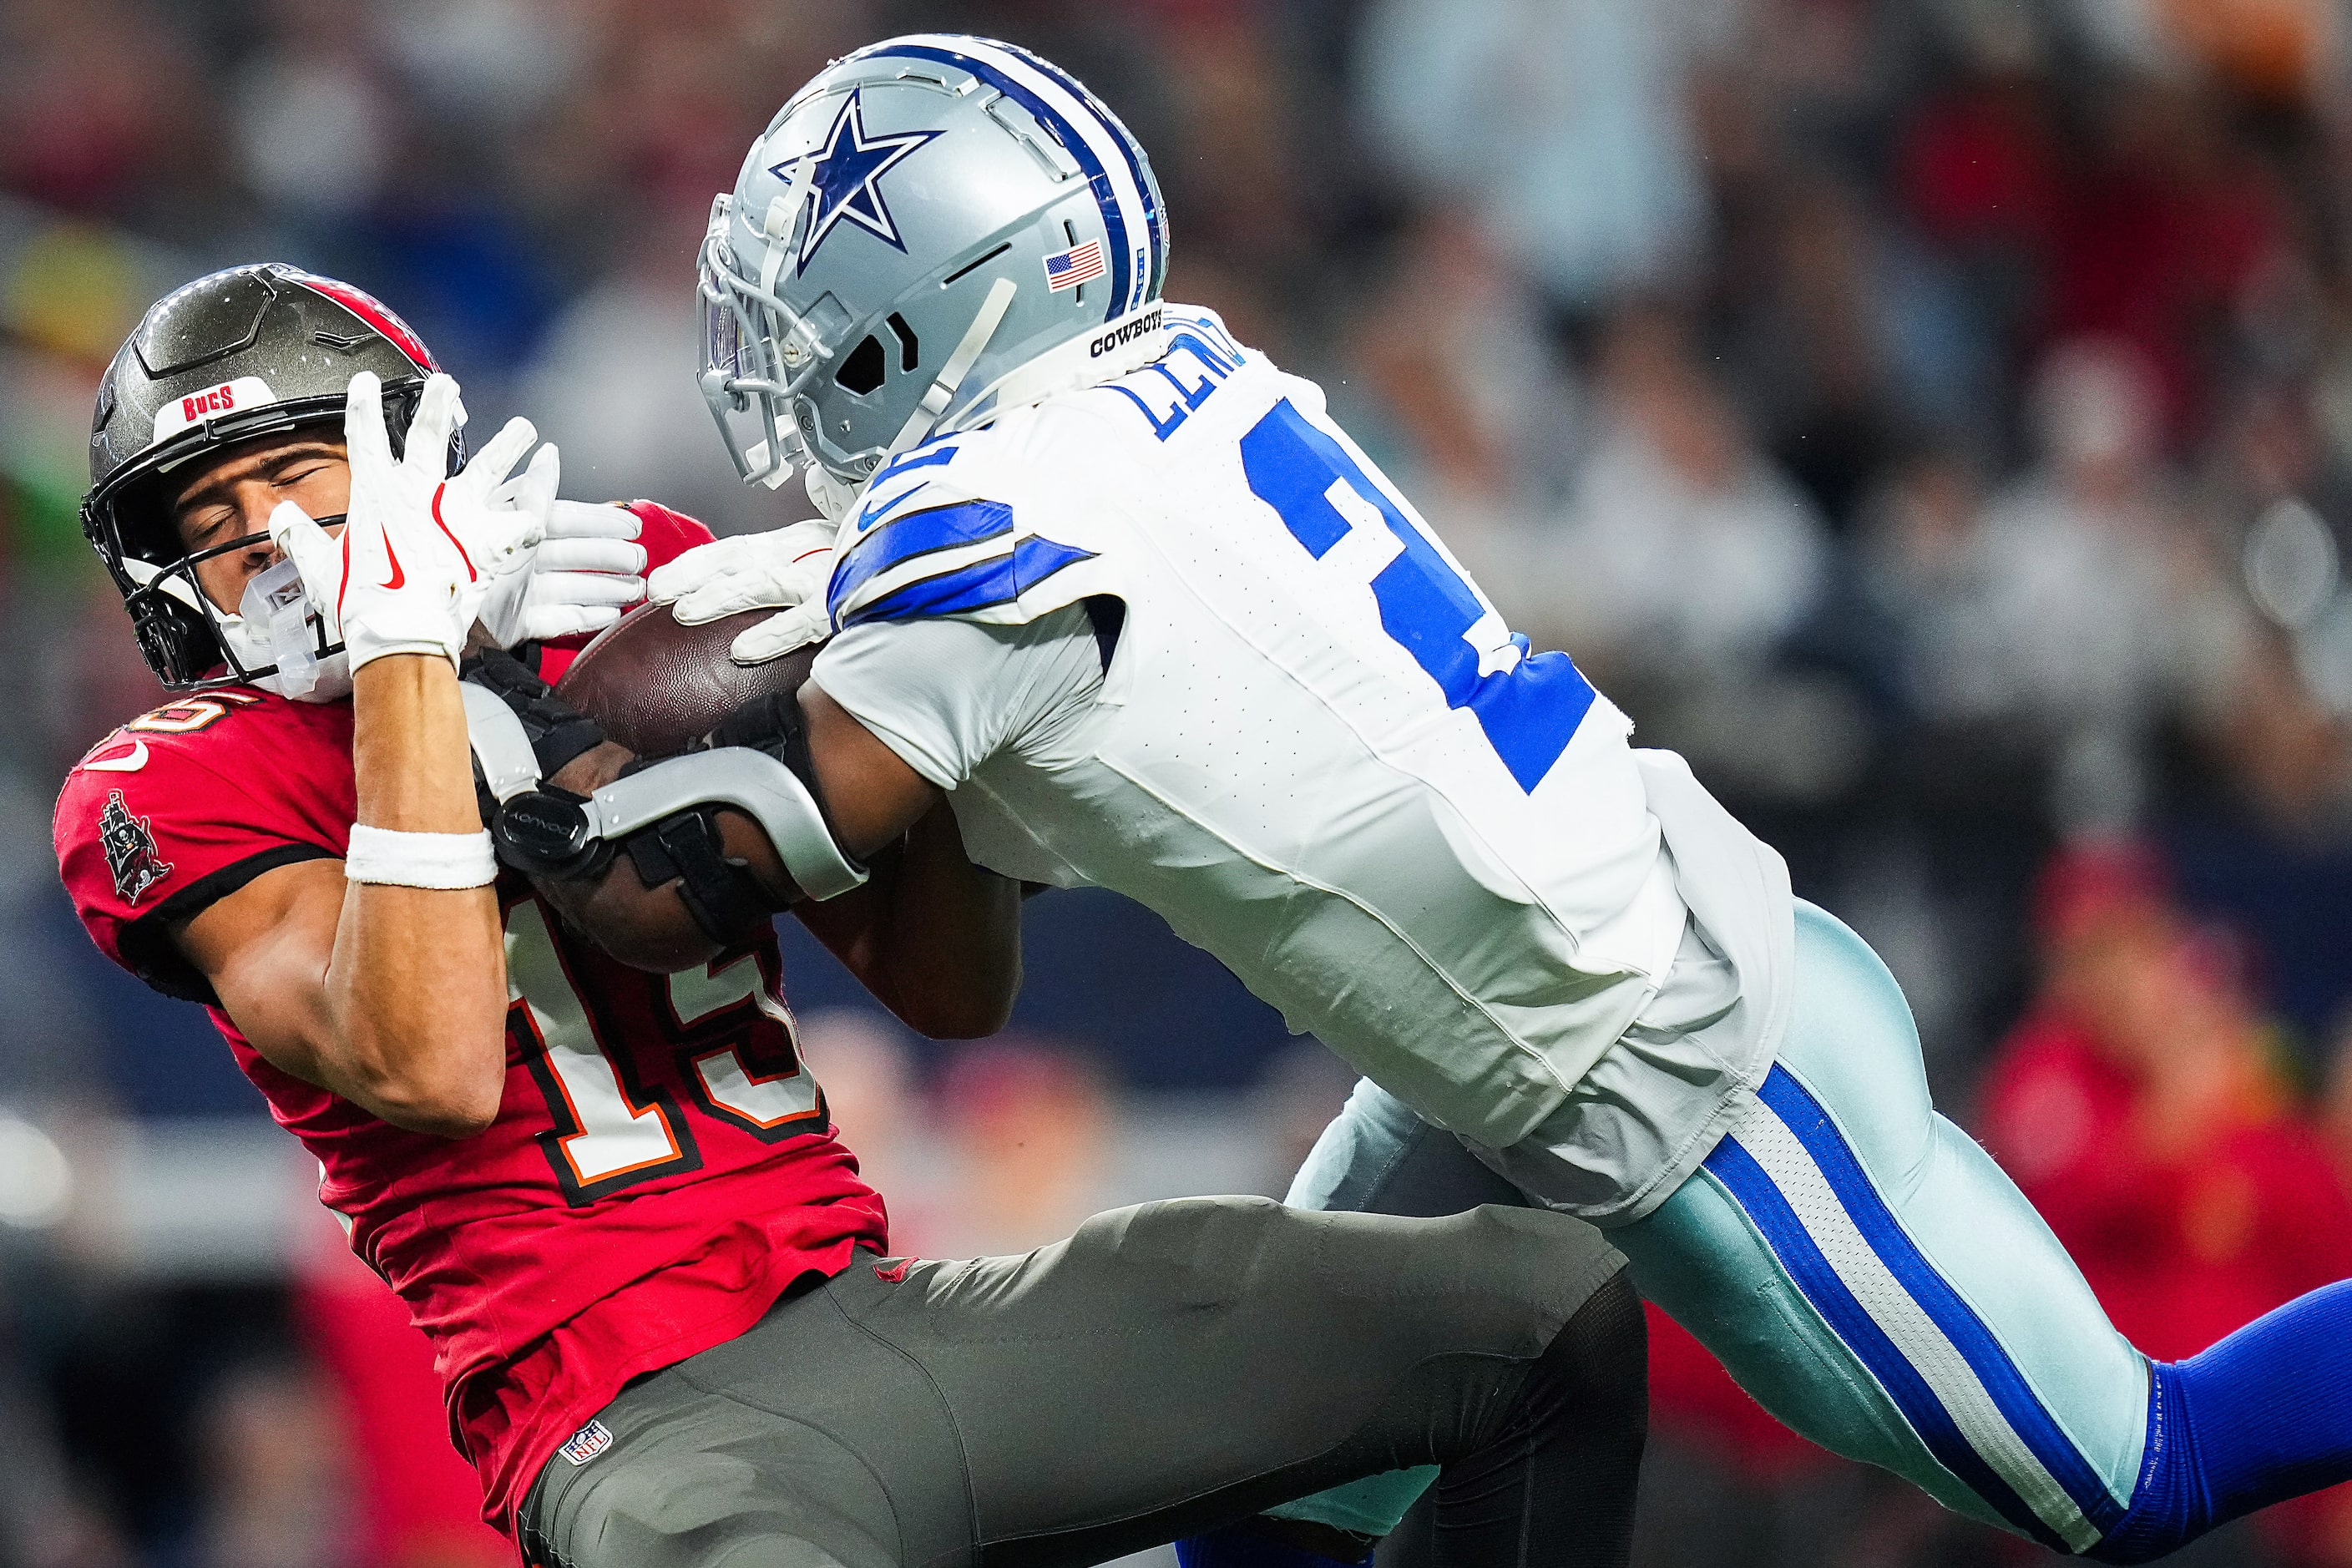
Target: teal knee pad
point(1370, 1507)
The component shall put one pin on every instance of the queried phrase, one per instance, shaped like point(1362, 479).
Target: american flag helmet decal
point(1068, 269)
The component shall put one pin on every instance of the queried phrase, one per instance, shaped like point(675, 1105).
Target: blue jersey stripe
point(1068, 134)
point(1753, 1190)
point(998, 581)
point(2025, 1413)
point(902, 538)
point(930, 454)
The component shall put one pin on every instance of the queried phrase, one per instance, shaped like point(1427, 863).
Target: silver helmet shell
point(933, 228)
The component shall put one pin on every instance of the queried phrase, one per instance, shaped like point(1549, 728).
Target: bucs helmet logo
point(129, 850)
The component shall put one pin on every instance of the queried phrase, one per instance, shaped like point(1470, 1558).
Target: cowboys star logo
point(842, 185)
point(129, 850)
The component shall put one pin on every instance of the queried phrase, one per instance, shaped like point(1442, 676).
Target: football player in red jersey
point(611, 1195)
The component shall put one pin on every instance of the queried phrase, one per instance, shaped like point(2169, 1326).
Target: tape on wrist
point(385, 857)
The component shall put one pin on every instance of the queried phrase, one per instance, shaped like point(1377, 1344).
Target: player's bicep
point(899, 710)
point(266, 950)
point(868, 791)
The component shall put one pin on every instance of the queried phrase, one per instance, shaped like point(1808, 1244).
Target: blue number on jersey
point(1529, 712)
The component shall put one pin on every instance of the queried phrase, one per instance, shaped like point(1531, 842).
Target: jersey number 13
point(613, 1131)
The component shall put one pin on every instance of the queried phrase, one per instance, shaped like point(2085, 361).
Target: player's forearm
point(648, 928)
point(936, 939)
point(872, 799)
point(417, 992)
point(948, 939)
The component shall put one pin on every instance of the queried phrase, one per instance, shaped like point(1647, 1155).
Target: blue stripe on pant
point(1938, 1360)
point(1944, 1332)
point(1875, 1280)
point(1860, 1265)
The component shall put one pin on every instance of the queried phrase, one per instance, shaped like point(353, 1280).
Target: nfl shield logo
point(587, 1442)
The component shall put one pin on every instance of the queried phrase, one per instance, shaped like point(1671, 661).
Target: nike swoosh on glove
point(401, 580)
point(787, 568)
point(586, 573)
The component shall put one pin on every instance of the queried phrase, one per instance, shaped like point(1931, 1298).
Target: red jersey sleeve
point(668, 534)
point(152, 825)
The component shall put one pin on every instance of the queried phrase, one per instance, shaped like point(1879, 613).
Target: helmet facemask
point(274, 639)
point(757, 355)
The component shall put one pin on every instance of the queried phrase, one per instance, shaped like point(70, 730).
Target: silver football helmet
point(935, 228)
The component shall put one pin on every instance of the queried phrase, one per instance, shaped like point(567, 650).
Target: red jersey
point(660, 1169)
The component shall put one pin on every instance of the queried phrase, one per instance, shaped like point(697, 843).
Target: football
point(658, 687)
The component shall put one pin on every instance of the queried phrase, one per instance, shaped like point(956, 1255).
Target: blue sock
point(1247, 1545)
point(2266, 1414)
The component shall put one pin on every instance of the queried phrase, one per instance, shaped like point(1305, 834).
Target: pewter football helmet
point(251, 350)
point(932, 230)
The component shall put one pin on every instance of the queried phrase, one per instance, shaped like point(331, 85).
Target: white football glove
point(588, 570)
point(419, 554)
point(787, 569)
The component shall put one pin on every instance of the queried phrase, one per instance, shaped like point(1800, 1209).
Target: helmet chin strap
point(145, 574)
point(942, 390)
point(327, 680)
point(830, 496)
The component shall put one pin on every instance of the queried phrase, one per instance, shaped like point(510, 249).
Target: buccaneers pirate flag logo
point(129, 850)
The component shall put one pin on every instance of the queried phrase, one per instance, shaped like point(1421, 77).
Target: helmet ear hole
point(861, 373)
point(908, 352)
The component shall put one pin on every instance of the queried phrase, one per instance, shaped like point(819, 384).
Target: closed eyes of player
point(214, 512)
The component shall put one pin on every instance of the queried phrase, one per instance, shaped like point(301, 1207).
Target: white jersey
point(1316, 751)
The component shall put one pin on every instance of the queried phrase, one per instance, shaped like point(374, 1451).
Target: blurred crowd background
point(1933, 417)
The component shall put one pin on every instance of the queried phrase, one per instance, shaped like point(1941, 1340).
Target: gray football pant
point(1168, 1369)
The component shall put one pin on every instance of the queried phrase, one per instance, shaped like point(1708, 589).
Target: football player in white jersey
point(1122, 590)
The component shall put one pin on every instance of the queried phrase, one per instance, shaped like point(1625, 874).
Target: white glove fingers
point(597, 588)
point(365, 441)
point(624, 556)
point(496, 459)
point(536, 494)
point(541, 622)
point(500, 542)
point(703, 564)
point(779, 635)
point(727, 596)
point(677, 577)
point(437, 418)
point(317, 558)
point(408, 574)
point(695, 610)
point(592, 519)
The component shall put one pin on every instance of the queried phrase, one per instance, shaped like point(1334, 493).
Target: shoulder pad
point(926, 539)
point(130, 748)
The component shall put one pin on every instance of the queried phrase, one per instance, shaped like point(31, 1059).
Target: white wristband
point(385, 857)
